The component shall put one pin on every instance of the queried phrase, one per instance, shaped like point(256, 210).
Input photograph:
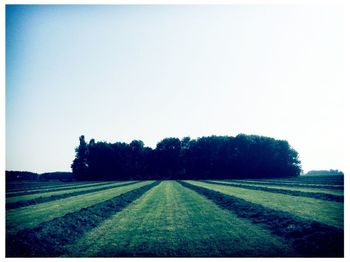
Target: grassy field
point(314, 180)
point(27, 186)
point(288, 186)
point(315, 184)
point(171, 220)
point(31, 216)
point(53, 188)
point(327, 212)
point(175, 219)
point(54, 193)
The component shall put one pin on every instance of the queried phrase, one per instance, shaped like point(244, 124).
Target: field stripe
point(321, 180)
point(322, 196)
point(31, 216)
point(170, 220)
point(12, 199)
point(13, 187)
point(290, 183)
point(327, 212)
point(310, 238)
point(46, 197)
point(25, 185)
point(57, 188)
point(47, 239)
point(338, 191)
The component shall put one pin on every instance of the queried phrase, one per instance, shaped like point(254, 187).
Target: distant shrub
point(62, 176)
point(324, 172)
point(20, 175)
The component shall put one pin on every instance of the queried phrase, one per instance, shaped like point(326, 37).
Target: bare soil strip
point(48, 239)
point(309, 238)
point(322, 196)
point(56, 197)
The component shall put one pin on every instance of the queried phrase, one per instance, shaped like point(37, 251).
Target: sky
point(119, 73)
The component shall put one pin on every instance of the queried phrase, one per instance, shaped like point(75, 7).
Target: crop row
point(53, 188)
point(290, 184)
point(171, 220)
point(34, 199)
point(13, 187)
point(310, 238)
point(327, 212)
point(312, 180)
point(31, 216)
point(333, 191)
point(48, 239)
point(317, 195)
point(191, 218)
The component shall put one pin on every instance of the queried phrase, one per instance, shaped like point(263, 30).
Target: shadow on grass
point(49, 238)
point(60, 196)
point(321, 196)
point(309, 238)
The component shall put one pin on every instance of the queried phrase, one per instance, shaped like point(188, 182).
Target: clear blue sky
point(118, 73)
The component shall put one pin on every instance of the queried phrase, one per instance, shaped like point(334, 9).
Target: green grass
point(328, 212)
point(51, 188)
point(171, 220)
point(12, 186)
point(16, 186)
point(31, 216)
point(286, 187)
point(289, 183)
point(308, 180)
point(54, 193)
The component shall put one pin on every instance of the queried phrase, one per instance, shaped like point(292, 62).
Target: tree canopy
point(213, 157)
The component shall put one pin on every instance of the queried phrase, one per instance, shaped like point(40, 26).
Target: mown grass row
point(31, 216)
point(277, 182)
point(333, 191)
point(314, 180)
point(176, 221)
point(29, 196)
point(28, 185)
point(48, 239)
point(317, 195)
point(309, 238)
point(171, 220)
point(327, 212)
point(49, 189)
point(35, 199)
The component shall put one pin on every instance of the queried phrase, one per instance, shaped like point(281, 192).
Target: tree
point(79, 165)
point(168, 157)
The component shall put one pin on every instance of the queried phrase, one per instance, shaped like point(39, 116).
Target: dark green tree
point(79, 165)
point(168, 158)
point(213, 157)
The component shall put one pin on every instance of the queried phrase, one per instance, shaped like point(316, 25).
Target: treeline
point(62, 176)
point(20, 175)
point(214, 157)
point(25, 175)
